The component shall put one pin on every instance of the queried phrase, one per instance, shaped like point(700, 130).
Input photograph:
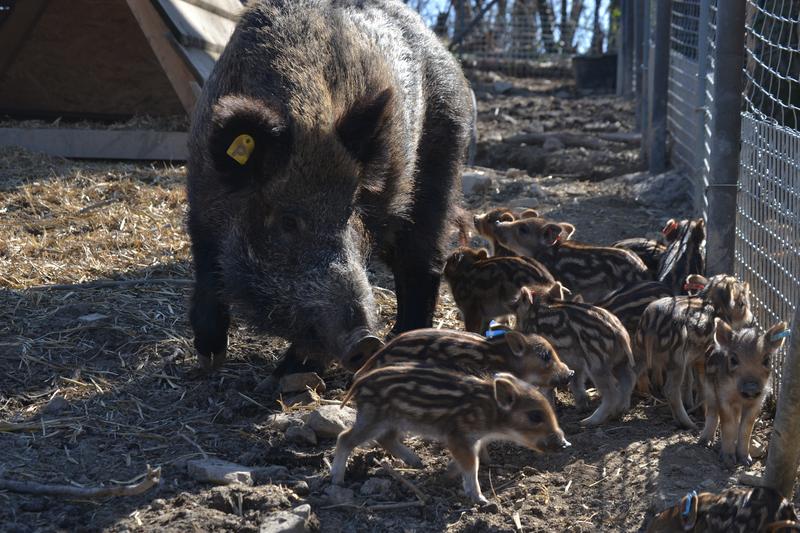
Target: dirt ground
point(99, 380)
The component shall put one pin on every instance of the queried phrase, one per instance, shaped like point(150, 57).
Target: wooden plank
point(194, 26)
point(17, 28)
point(200, 61)
point(99, 144)
point(230, 9)
point(179, 74)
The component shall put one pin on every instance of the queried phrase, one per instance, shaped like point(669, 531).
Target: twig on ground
point(421, 496)
point(151, 479)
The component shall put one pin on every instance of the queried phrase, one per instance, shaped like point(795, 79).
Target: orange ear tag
point(241, 148)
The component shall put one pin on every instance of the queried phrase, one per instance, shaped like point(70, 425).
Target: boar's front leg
point(209, 315)
point(418, 254)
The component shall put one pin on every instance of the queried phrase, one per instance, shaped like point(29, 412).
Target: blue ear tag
point(781, 335)
point(492, 333)
point(687, 514)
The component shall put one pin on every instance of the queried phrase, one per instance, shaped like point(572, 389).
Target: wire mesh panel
point(768, 205)
point(687, 65)
point(708, 108)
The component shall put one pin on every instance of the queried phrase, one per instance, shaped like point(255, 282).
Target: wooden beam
point(156, 31)
point(100, 144)
point(17, 28)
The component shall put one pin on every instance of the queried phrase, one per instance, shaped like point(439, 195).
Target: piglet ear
point(483, 253)
point(775, 336)
point(516, 341)
point(361, 128)
point(567, 230)
point(507, 217)
point(245, 133)
point(529, 213)
point(505, 393)
point(557, 291)
point(552, 233)
point(723, 334)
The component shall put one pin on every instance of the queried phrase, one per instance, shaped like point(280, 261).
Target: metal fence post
point(625, 52)
point(784, 453)
point(638, 52)
point(726, 137)
point(701, 103)
point(657, 162)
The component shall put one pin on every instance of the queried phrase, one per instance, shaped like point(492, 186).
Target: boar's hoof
point(361, 351)
point(746, 460)
point(295, 363)
point(212, 363)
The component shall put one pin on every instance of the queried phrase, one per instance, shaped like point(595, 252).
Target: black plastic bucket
point(598, 72)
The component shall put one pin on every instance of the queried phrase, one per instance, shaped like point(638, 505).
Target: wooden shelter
point(105, 60)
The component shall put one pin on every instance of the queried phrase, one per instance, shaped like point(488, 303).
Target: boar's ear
point(505, 393)
point(506, 217)
point(775, 336)
point(246, 132)
point(723, 334)
point(529, 213)
point(361, 126)
point(578, 299)
point(517, 342)
point(552, 233)
point(567, 229)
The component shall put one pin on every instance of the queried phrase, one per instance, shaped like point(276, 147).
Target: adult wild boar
point(328, 129)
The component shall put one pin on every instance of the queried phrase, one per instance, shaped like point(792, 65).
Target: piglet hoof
point(728, 460)
point(479, 499)
point(704, 441)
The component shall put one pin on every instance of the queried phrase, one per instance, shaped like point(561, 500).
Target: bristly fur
point(361, 121)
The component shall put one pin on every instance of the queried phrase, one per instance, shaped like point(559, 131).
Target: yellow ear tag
point(241, 148)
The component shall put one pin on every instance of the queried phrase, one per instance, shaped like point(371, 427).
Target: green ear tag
point(241, 148)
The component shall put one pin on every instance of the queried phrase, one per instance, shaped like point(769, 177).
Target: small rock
point(552, 144)
point(269, 474)
point(302, 382)
point(502, 87)
point(475, 182)
point(304, 398)
point(337, 495)
point(56, 405)
point(375, 486)
point(490, 507)
point(297, 520)
point(34, 506)
point(523, 203)
point(300, 488)
point(267, 386)
point(516, 173)
point(279, 421)
point(328, 421)
point(757, 450)
point(302, 434)
point(218, 471)
point(158, 504)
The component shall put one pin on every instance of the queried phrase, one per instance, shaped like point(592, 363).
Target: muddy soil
point(99, 381)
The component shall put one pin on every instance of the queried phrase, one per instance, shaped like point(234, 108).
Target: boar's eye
point(766, 361)
point(535, 417)
point(734, 361)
